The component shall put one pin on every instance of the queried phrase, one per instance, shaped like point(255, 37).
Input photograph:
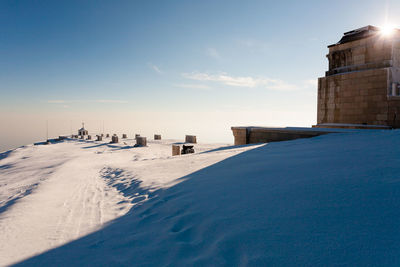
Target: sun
point(387, 30)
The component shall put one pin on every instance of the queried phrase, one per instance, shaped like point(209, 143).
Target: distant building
point(361, 87)
point(82, 131)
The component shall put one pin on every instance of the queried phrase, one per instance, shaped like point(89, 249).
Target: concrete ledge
point(351, 126)
point(253, 135)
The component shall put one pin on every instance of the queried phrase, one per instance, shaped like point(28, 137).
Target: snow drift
point(329, 200)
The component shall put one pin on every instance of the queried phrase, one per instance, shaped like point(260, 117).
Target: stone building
point(82, 131)
point(361, 87)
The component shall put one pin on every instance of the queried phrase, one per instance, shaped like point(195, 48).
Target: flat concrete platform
point(254, 135)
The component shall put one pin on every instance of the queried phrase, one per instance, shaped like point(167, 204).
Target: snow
point(53, 194)
point(328, 200)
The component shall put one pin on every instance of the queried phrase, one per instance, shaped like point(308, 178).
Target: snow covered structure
point(82, 131)
point(361, 87)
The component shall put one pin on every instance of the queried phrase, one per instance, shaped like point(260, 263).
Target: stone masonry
point(361, 86)
point(253, 135)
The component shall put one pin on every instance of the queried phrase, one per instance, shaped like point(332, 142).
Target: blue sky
point(79, 60)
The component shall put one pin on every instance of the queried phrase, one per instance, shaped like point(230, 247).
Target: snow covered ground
point(52, 194)
point(326, 201)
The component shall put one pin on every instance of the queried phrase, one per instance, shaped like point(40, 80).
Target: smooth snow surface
point(333, 200)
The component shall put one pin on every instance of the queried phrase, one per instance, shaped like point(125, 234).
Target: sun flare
point(387, 30)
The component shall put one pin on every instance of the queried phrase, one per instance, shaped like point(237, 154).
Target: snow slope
point(332, 200)
point(50, 195)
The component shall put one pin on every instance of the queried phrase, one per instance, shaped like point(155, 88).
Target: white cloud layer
point(241, 81)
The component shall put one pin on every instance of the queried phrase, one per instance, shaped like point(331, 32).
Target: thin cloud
point(254, 44)
point(56, 101)
point(193, 86)
point(110, 101)
point(212, 52)
point(241, 81)
point(155, 68)
point(86, 101)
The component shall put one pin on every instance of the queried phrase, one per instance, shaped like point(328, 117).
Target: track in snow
point(73, 201)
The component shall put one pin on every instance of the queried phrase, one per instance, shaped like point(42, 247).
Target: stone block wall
point(254, 135)
point(354, 98)
point(240, 135)
point(368, 53)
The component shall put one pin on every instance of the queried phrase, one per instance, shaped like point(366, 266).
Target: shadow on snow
point(330, 200)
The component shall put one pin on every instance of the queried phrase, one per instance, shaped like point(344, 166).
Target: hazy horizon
point(213, 127)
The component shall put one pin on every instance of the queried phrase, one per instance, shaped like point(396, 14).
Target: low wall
point(351, 126)
point(254, 135)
